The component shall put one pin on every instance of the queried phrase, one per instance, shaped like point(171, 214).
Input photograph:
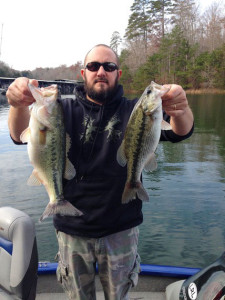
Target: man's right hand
point(19, 98)
point(19, 94)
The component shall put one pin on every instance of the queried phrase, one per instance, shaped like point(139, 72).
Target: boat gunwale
point(45, 268)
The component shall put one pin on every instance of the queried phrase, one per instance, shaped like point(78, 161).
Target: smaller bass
point(141, 139)
point(48, 145)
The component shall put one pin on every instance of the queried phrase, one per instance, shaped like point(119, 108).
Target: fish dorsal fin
point(151, 164)
point(70, 171)
point(121, 157)
point(25, 135)
point(165, 125)
point(33, 180)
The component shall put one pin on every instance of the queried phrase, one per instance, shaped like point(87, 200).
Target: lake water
point(184, 221)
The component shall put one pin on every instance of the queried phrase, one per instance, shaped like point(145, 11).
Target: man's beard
point(104, 94)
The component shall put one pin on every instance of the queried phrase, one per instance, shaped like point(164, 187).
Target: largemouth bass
point(141, 139)
point(48, 145)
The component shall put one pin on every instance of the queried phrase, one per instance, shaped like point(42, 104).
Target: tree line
point(168, 41)
point(62, 72)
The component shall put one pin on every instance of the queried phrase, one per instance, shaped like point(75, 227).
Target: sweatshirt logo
point(110, 128)
point(90, 130)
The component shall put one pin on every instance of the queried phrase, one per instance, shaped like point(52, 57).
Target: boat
point(23, 277)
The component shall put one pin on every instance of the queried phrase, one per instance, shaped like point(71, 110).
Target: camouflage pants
point(117, 259)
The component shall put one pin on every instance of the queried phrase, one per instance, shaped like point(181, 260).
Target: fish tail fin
point(62, 207)
point(132, 190)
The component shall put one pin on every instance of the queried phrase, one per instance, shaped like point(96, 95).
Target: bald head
point(102, 46)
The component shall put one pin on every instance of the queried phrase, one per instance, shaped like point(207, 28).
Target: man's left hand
point(174, 102)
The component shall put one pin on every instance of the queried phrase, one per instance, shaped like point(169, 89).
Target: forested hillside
point(168, 41)
point(172, 41)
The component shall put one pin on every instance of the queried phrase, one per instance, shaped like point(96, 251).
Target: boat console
point(207, 284)
point(18, 255)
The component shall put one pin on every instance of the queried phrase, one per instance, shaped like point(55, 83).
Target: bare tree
point(115, 41)
point(212, 27)
point(186, 16)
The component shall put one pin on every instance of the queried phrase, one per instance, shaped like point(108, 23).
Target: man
point(107, 232)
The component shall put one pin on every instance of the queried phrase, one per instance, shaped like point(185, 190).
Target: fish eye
point(149, 91)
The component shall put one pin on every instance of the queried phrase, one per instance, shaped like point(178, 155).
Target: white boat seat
point(19, 260)
point(173, 290)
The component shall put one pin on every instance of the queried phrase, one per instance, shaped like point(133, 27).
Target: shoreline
point(205, 91)
point(201, 91)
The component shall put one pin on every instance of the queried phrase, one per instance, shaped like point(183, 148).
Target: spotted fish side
point(48, 145)
point(140, 142)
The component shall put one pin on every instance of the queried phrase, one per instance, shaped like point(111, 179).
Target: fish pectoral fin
point(165, 125)
point(70, 171)
point(25, 135)
point(33, 180)
point(42, 136)
point(121, 157)
point(151, 164)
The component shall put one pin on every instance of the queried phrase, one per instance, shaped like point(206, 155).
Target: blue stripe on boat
point(7, 245)
point(153, 270)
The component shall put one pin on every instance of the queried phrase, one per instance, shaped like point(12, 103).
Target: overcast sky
point(49, 33)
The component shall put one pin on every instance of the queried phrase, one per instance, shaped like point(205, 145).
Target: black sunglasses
point(95, 66)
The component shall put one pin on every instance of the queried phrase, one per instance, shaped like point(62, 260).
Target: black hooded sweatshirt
point(96, 133)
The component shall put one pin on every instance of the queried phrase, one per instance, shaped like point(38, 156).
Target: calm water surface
point(184, 220)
